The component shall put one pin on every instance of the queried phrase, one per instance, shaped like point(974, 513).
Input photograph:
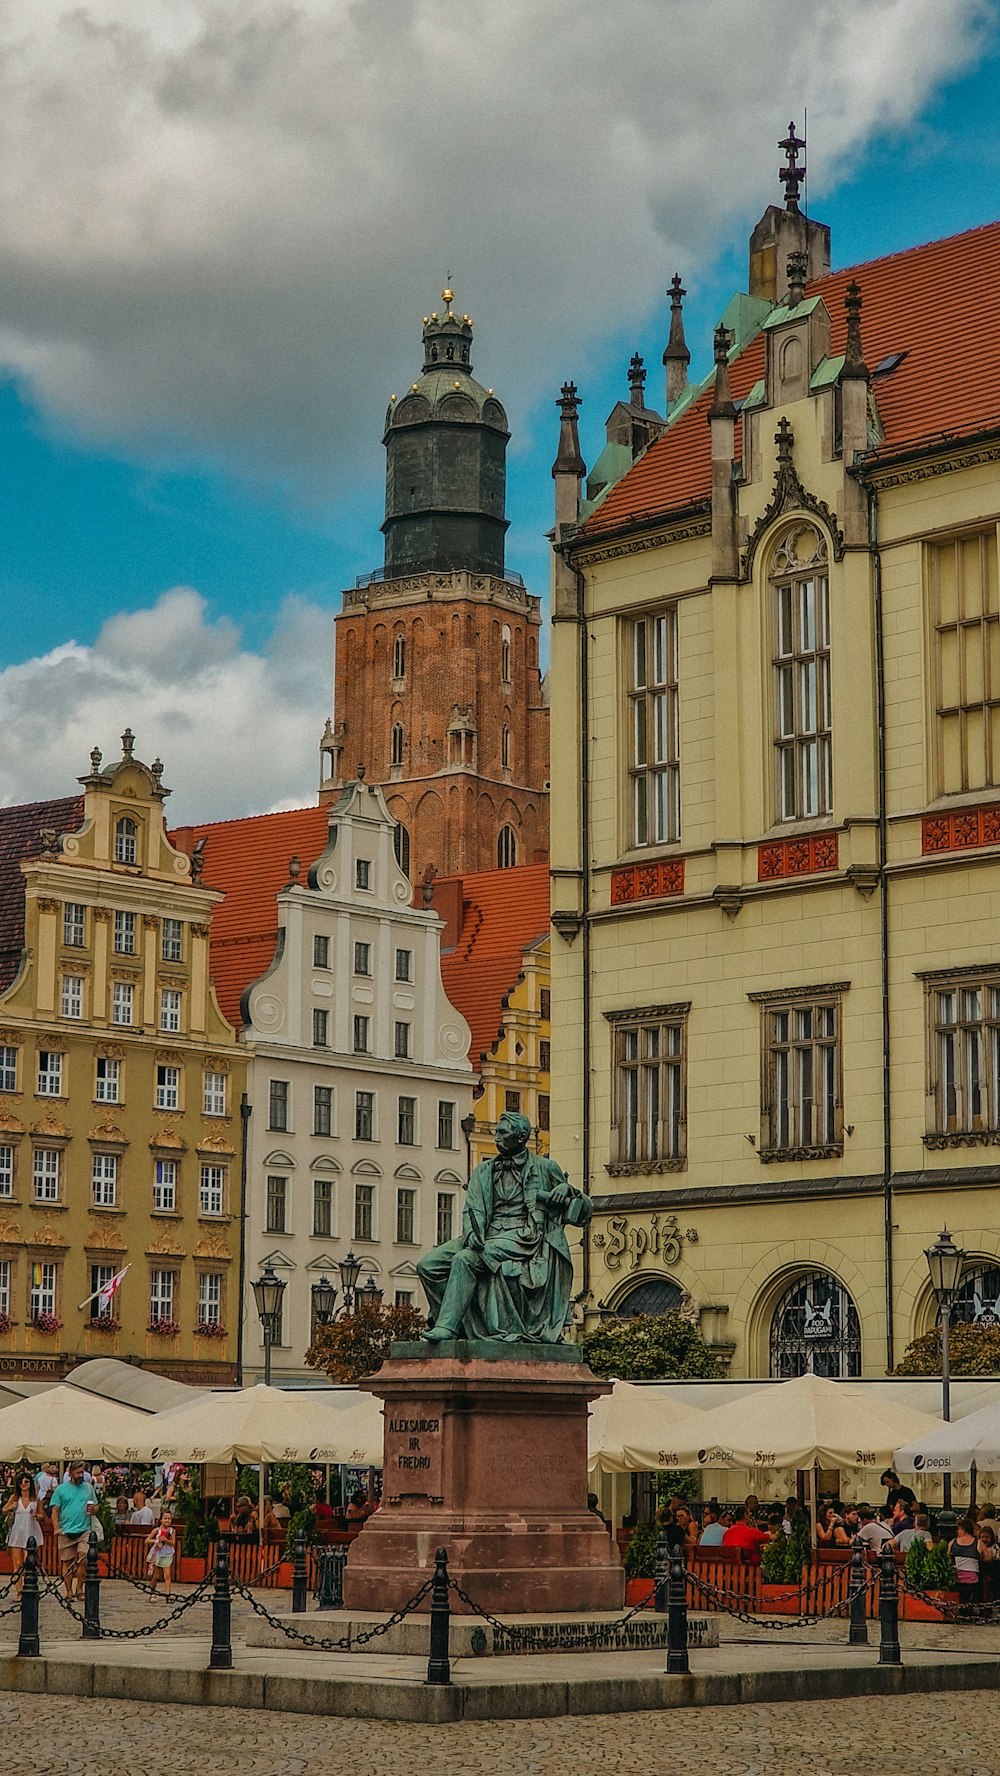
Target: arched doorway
point(978, 1299)
point(815, 1330)
point(655, 1296)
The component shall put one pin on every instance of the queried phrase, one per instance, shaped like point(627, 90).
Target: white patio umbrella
point(634, 1428)
point(255, 1424)
point(808, 1422)
point(971, 1442)
point(65, 1424)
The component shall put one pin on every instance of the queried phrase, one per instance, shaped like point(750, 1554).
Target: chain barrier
point(547, 1640)
point(716, 1593)
point(326, 1644)
point(148, 1628)
point(949, 1612)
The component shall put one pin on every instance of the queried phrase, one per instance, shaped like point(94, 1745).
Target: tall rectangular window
point(446, 1124)
point(362, 958)
point(44, 1278)
point(362, 1026)
point(544, 1056)
point(6, 1279)
point(71, 1002)
point(6, 1170)
point(8, 1069)
point(170, 1009)
point(212, 1190)
point(50, 1073)
point(322, 1109)
point(545, 1004)
point(404, 965)
point(804, 763)
point(100, 1276)
point(406, 1132)
point(406, 1216)
point(648, 1098)
point(165, 1187)
point(321, 952)
point(124, 934)
point(801, 1083)
point(321, 1029)
point(277, 1205)
point(965, 1057)
point(401, 1040)
point(362, 873)
point(364, 1211)
point(210, 1298)
point(74, 925)
point(323, 1207)
point(544, 1111)
point(965, 611)
point(162, 1294)
point(654, 763)
point(171, 940)
point(122, 1001)
point(107, 1081)
point(46, 1168)
point(364, 1116)
point(512, 1100)
point(214, 1093)
point(104, 1180)
point(277, 1104)
point(168, 1088)
point(445, 1217)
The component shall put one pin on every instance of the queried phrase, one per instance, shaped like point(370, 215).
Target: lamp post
point(945, 1262)
point(324, 1301)
point(268, 1292)
point(350, 1270)
point(371, 1293)
point(467, 1125)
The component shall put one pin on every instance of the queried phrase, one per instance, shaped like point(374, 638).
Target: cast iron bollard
point(221, 1656)
point(439, 1664)
point(677, 1614)
point(661, 1572)
point(28, 1645)
point(331, 1578)
point(92, 1592)
point(888, 1610)
point(859, 1596)
point(300, 1578)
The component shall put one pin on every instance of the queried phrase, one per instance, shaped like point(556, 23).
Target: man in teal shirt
point(72, 1505)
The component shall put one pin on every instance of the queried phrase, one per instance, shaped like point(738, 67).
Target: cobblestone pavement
point(941, 1735)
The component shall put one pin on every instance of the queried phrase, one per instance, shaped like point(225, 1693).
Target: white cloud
point(220, 220)
point(238, 732)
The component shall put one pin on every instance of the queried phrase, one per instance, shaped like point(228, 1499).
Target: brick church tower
point(437, 688)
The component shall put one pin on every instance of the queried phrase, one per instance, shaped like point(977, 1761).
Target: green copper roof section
point(744, 316)
point(756, 398)
point(826, 372)
point(778, 316)
point(450, 379)
point(610, 466)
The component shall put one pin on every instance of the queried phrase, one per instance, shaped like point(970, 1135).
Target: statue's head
point(513, 1132)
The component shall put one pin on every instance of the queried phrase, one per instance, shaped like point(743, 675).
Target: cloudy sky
point(220, 224)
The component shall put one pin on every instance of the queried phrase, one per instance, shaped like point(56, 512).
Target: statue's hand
point(475, 1242)
point(560, 1194)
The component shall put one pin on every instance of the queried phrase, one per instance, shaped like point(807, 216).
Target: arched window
point(815, 1330)
point(401, 846)
point(505, 654)
point(800, 599)
point(396, 744)
point(399, 657)
point(656, 1296)
point(506, 848)
point(505, 747)
point(126, 846)
point(978, 1299)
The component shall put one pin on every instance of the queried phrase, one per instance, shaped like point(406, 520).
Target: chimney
point(676, 356)
point(783, 231)
point(722, 421)
point(854, 379)
point(569, 467)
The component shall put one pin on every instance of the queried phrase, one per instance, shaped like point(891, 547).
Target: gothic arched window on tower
point(126, 832)
point(505, 747)
point(505, 655)
point(401, 846)
point(507, 848)
point(399, 657)
point(396, 744)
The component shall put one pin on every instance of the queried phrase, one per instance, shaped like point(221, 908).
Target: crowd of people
point(71, 1508)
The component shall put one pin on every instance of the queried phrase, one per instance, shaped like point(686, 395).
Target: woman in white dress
point(21, 1513)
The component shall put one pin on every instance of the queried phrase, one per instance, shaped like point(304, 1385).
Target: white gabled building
point(358, 1083)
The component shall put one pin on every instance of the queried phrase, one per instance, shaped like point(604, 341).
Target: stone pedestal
point(486, 1455)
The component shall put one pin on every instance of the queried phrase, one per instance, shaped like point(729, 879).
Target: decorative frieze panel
point(960, 830)
point(655, 880)
point(805, 855)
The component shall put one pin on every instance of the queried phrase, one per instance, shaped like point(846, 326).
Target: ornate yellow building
point(776, 812)
point(120, 1089)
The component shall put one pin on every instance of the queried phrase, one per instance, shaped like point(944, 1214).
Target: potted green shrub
point(929, 1569)
point(781, 1564)
point(640, 1563)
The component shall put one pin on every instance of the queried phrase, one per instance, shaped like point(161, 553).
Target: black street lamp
point(324, 1301)
point(268, 1292)
point(945, 1261)
point(467, 1126)
point(350, 1270)
point(371, 1293)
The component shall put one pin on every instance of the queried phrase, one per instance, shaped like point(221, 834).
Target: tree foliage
point(358, 1343)
point(972, 1350)
point(648, 1347)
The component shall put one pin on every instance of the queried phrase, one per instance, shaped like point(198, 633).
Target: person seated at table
point(743, 1534)
point(141, 1515)
point(269, 1524)
point(123, 1510)
point(751, 1505)
point(713, 1529)
point(244, 1515)
point(281, 1506)
point(830, 1531)
point(359, 1509)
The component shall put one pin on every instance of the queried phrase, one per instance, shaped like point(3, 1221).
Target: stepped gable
point(503, 912)
point(19, 830)
point(936, 303)
point(248, 860)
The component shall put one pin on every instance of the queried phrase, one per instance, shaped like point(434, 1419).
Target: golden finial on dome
point(448, 296)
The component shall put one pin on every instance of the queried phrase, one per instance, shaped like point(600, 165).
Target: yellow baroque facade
point(776, 822)
point(514, 1074)
point(120, 1090)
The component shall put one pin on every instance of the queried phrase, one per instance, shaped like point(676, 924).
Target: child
point(160, 1559)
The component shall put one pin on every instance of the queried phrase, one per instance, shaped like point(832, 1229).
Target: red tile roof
point(248, 860)
point(939, 303)
point(19, 830)
point(504, 911)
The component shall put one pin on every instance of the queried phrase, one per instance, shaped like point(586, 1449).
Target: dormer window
point(126, 840)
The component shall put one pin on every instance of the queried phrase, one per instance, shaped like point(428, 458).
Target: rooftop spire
point(676, 356)
point(722, 401)
point(855, 368)
point(637, 381)
point(568, 459)
point(791, 174)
